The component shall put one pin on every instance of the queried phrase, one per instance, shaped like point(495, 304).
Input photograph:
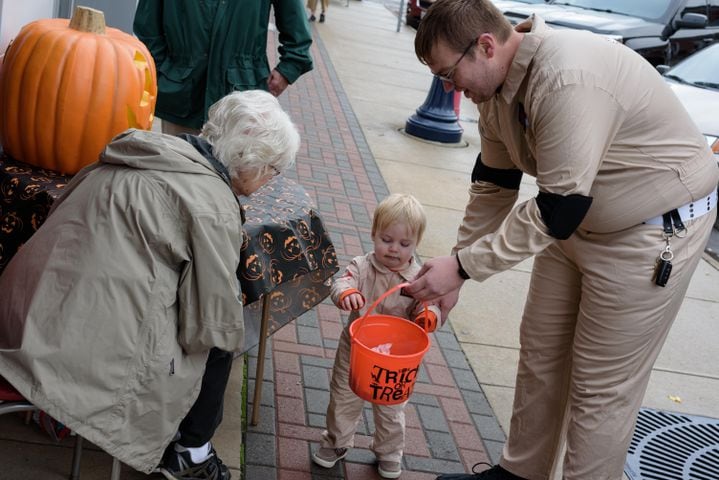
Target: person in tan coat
point(627, 199)
point(398, 224)
point(120, 315)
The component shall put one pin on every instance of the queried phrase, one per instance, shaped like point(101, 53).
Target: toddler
point(397, 227)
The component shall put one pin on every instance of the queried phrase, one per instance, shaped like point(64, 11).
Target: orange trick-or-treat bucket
point(385, 378)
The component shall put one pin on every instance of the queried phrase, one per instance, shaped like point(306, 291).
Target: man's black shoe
point(493, 473)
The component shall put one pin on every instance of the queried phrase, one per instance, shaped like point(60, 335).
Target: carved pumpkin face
point(279, 302)
point(9, 223)
point(309, 297)
point(253, 268)
point(267, 242)
point(276, 272)
point(9, 188)
point(329, 257)
point(292, 250)
point(304, 229)
point(65, 93)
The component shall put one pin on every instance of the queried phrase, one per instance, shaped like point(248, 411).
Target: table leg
point(260, 371)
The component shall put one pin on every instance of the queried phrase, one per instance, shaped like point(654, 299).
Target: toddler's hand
point(353, 301)
point(427, 320)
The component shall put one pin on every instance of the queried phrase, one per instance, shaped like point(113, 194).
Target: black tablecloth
point(26, 195)
point(286, 253)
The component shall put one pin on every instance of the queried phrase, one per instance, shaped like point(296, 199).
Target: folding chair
point(11, 401)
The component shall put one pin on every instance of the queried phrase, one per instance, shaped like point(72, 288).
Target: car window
point(695, 6)
point(701, 69)
point(649, 9)
point(713, 13)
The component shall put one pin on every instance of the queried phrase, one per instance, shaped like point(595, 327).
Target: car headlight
point(713, 143)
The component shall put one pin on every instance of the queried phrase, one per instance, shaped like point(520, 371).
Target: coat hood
point(149, 150)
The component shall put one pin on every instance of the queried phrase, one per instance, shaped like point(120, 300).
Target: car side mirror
point(692, 20)
point(662, 69)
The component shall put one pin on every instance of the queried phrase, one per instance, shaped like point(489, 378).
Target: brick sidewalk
point(450, 425)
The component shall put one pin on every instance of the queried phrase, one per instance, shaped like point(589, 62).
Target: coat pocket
point(245, 78)
point(178, 92)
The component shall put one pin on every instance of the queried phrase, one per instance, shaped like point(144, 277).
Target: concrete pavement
point(350, 109)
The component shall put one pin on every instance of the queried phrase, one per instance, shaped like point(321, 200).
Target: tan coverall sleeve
point(348, 281)
point(573, 127)
point(488, 204)
point(417, 308)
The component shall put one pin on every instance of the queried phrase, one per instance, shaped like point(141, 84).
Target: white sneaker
point(327, 457)
point(388, 469)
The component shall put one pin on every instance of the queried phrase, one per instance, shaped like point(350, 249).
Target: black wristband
point(460, 269)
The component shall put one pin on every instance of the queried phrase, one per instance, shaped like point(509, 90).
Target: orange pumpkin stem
point(86, 19)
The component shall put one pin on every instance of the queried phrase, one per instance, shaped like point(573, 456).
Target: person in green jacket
point(205, 50)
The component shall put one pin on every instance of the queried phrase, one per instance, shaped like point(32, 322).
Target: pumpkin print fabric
point(26, 195)
point(286, 252)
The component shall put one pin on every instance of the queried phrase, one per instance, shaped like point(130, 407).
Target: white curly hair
point(251, 134)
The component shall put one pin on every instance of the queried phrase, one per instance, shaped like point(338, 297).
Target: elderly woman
point(119, 313)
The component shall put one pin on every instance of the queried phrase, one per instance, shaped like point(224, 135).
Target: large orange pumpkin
point(68, 87)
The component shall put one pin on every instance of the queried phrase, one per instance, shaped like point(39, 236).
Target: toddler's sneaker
point(327, 457)
point(388, 469)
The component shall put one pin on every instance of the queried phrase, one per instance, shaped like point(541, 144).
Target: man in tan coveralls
point(612, 150)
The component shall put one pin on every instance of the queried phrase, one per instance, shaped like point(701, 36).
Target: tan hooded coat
point(122, 292)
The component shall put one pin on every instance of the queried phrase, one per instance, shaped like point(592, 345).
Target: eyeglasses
point(447, 77)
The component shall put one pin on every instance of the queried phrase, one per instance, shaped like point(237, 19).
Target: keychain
point(664, 264)
point(672, 226)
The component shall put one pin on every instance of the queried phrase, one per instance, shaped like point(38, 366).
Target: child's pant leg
point(345, 407)
point(389, 427)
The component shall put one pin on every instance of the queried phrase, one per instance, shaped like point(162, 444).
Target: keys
point(662, 272)
point(664, 266)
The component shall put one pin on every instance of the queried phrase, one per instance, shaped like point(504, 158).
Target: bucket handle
point(385, 295)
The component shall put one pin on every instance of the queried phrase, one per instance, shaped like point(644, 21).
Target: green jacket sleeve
point(148, 28)
point(295, 38)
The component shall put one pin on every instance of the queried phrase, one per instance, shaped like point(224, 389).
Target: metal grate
point(671, 446)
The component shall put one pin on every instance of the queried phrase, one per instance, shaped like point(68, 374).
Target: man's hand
point(276, 83)
point(437, 277)
point(446, 303)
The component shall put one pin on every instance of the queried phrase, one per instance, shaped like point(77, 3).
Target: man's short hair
point(458, 22)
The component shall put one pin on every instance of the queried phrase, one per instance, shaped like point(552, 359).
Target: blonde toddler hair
point(400, 208)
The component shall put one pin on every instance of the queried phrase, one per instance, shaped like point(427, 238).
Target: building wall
point(118, 13)
point(14, 14)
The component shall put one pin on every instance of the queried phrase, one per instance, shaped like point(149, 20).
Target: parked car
point(662, 31)
point(416, 10)
point(695, 80)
